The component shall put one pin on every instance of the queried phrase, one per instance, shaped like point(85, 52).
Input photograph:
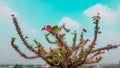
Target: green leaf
point(54, 28)
point(38, 47)
point(26, 36)
point(56, 42)
point(58, 50)
point(63, 51)
point(94, 17)
point(97, 17)
point(49, 59)
point(59, 59)
point(14, 38)
point(53, 55)
point(99, 32)
point(16, 46)
point(34, 40)
point(96, 30)
point(62, 35)
point(87, 49)
point(47, 34)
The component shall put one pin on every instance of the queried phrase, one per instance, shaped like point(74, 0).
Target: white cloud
point(5, 11)
point(109, 37)
point(70, 23)
point(118, 12)
point(33, 31)
point(108, 16)
point(28, 30)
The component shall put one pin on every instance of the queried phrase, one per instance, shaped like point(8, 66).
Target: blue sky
point(33, 15)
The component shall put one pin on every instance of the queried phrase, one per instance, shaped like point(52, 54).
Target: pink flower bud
point(60, 47)
point(84, 30)
point(92, 45)
point(48, 28)
point(12, 15)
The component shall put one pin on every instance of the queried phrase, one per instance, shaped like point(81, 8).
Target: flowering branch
point(64, 56)
point(95, 37)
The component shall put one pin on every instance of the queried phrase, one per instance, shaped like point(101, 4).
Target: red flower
point(48, 28)
point(60, 47)
point(12, 15)
point(92, 45)
point(84, 30)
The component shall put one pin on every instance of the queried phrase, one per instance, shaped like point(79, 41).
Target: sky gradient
point(33, 15)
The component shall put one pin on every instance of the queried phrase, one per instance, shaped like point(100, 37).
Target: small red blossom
point(84, 30)
point(92, 45)
point(12, 15)
point(48, 28)
point(60, 47)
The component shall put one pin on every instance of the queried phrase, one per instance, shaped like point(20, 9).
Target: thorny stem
point(74, 40)
point(93, 42)
point(105, 48)
point(22, 38)
point(49, 40)
point(21, 53)
point(79, 50)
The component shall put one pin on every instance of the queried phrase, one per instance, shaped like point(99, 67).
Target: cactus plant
point(64, 56)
